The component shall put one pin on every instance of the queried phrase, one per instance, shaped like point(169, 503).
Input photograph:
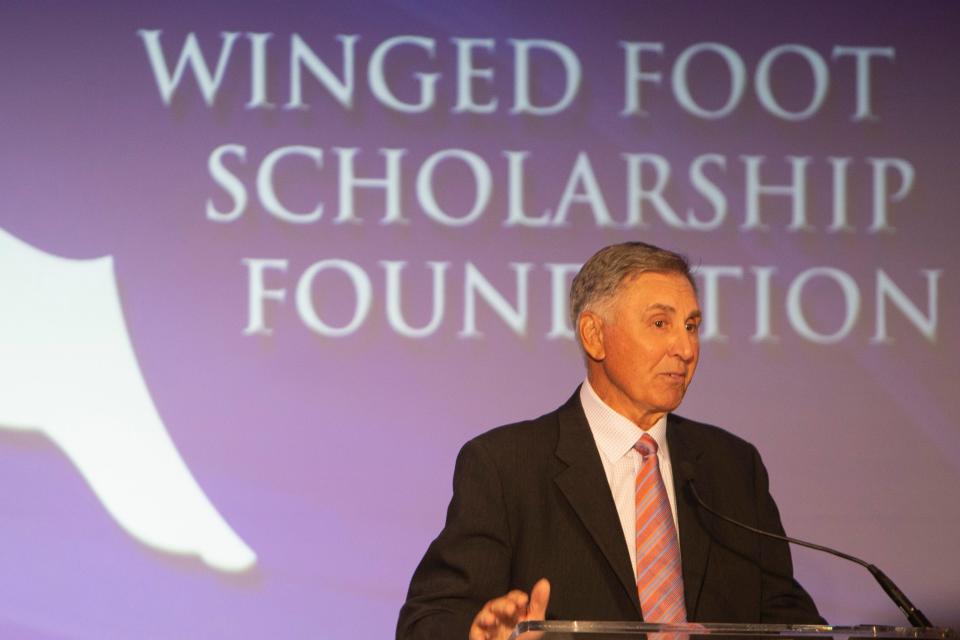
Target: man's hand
point(498, 617)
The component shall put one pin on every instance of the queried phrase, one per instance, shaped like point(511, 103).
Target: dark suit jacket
point(531, 500)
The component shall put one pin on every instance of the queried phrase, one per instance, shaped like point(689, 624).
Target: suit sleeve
point(469, 562)
point(783, 600)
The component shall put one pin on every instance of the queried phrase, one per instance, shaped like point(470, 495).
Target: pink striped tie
point(659, 579)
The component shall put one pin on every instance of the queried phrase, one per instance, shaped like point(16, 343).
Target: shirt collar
point(614, 434)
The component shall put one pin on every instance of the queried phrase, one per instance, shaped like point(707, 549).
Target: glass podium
point(588, 630)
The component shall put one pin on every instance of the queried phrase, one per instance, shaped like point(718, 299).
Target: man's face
point(644, 345)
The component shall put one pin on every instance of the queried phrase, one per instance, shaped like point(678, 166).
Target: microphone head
point(686, 472)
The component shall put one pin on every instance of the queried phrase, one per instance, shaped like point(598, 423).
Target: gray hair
point(600, 278)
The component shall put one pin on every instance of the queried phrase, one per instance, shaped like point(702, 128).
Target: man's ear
point(590, 329)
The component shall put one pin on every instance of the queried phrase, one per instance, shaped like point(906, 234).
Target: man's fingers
point(485, 625)
point(509, 607)
point(539, 597)
point(518, 597)
point(498, 617)
point(486, 619)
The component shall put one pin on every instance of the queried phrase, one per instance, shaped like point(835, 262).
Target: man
point(584, 512)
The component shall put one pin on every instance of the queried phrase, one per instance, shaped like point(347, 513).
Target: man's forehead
point(648, 274)
point(668, 308)
point(657, 283)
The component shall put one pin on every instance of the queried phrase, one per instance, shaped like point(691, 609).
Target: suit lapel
point(582, 482)
point(694, 541)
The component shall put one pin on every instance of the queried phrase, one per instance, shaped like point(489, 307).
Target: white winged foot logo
point(68, 370)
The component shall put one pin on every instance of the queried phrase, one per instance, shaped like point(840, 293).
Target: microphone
point(914, 615)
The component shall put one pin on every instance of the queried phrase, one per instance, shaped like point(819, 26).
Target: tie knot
point(646, 445)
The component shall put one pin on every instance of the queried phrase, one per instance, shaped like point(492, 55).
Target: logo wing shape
point(68, 370)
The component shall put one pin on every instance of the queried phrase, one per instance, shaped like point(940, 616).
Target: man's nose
point(684, 345)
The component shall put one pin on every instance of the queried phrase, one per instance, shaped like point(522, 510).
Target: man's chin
point(671, 403)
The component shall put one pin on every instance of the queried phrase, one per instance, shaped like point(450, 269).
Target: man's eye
point(693, 327)
point(659, 324)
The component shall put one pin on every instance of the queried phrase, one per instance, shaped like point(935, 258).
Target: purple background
point(332, 457)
